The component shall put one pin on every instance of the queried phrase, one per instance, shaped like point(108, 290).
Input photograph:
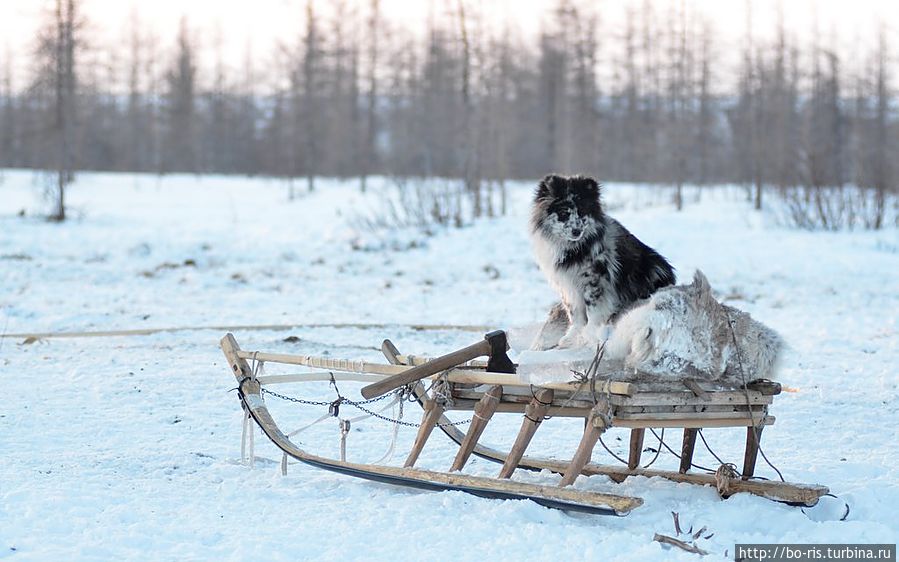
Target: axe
point(494, 345)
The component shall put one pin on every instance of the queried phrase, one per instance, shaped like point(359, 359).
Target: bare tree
point(247, 118)
point(553, 90)
point(9, 153)
point(744, 117)
point(138, 147)
point(705, 129)
point(56, 73)
point(369, 153)
point(181, 107)
point(678, 98)
point(310, 94)
point(470, 137)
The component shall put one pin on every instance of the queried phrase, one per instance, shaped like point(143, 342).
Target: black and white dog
point(596, 265)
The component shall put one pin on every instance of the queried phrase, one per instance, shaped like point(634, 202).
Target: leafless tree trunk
point(9, 152)
point(470, 128)
point(369, 161)
point(884, 164)
point(64, 80)
point(181, 107)
point(705, 125)
point(311, 79)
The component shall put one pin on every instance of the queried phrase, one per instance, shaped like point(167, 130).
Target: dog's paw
point(542, 344)
point(572, 339)
point(546, 339)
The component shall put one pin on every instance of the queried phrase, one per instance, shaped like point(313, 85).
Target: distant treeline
point(650, 100)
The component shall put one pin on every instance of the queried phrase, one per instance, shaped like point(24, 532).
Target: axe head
point(499, 361)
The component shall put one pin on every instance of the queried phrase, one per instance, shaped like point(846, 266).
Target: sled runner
point(461, 382)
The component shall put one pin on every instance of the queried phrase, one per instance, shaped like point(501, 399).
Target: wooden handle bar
point(432, 367)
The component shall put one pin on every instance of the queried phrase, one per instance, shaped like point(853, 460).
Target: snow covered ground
point(128, 447)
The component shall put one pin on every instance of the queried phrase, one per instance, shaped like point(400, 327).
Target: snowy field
point(128, 448)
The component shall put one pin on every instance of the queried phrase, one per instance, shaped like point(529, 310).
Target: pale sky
point(263, 23)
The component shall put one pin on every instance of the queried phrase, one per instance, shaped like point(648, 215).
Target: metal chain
point(322, 403)
point(359, 406)
point(401, 422)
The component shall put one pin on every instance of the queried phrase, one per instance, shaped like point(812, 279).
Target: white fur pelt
point(683, 332)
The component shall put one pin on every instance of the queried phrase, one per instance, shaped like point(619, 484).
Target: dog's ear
point(586, 187)
point(592, 186)
point(549, 186)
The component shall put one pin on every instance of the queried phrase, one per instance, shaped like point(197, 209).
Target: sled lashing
point(461, 382)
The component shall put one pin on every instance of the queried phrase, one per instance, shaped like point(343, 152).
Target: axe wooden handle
point(432, 367)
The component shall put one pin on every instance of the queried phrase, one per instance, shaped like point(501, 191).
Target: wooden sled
point(470, 385)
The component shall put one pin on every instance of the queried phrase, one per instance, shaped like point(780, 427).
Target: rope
point(658, 451)
point(327, 415)
point(721, 463)
point(246, 427)
point(392, 447)
point(308, 425)
point(344, 430)
point(756, 429)
point(251, 440)
point(670, 450)
point(603, 443)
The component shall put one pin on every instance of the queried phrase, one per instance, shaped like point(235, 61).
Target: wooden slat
point(633, 420)
point(704, 410)
point(688, 399)
point(695, 422)
point(664, 416)
point(483, 411)
point(472, 394)
point(571, 391)
point(515, 408)
point(317, 377)
point(464, 376)
point(533, 416)
point(415, 360)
